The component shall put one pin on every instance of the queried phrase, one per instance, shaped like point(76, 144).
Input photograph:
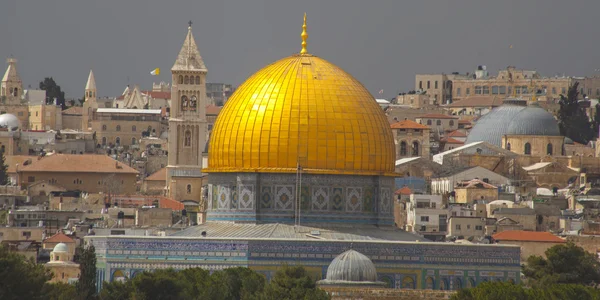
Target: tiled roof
point(457, 133)
point(160, 175)
point(477, 101)
point(77, 163)
point(403, 191)
point(464, 122)
point(452, 141)
point(408, 124)
point(11, 161)
point(527, 236)
point(213, 109)
point(59, 238)
point(75, 110)
point(437, 116)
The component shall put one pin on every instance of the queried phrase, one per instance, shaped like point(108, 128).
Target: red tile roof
point(464, 122)
point(403, 191)
point(213, 109)
point(452, 141)
point(408, 124)
point(160, 175)
point(77, 163)
point(170, 203)
point(527, 236)
point(12, 160)
point(437, 116)
point(158, 94)
point(59, 238)
point(457, 133)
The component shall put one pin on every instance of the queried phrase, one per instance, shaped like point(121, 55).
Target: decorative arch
point(438, 122)
point(444, 286)
point(133, 128)
point(118, 275)
point(103, 127)
point(429, 283)
point(389, 283)
point(133, 141)
point(470, 283)
point(118, 127)
point(457, 284)
point(527, 149)
point(186, 80)
point(187, 140)
point(103, 141)
point(415, 148)
point(180, 79)
point(189, 188)
point(403, 148)
point(184, 103)
point(408, 282)
point(510, 280)
point(118, 141)
point(197, 79)
point(508, 146)
point(549, 149)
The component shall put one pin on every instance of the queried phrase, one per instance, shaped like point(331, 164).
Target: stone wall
point(589, 243)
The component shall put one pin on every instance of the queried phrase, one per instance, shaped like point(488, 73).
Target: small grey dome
point(352, 266)
point(61, 247)
point(9, 121)
point(534, 120)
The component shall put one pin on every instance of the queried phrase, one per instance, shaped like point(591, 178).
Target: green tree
point(505, 290)
point(566, 263)
point(86, 285)
point(572, 119)
point(3, 169)
point(53, 90)
point(116, 290)
point(59, 291)
point(294, 283)
point(240, 283)
point(21, 278)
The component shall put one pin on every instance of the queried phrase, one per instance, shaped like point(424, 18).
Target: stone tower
point(187, 123)
point(11, 88)
point(90, 103)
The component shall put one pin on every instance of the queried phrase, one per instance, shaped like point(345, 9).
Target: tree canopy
point(86, 285)
point(3, 169)
point(53, 90)
point(21, 278)
point(573, 121)
point(566, 263)
point(504, 290)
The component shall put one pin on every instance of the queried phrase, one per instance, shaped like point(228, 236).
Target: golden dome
point(302, 110)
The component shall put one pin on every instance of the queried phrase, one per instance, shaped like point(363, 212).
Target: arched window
point(438, 122)
point(103, 141)
point(187, 142)
point(189, 188)
point(118, 127)
point(103, 127)
point(133, 141)
point(549, 149)
point(186, 80)
point(3, 148)
point(184, 102)
point(457, 284)
point(508, 146)
point(193, 103)
point(527, 150)
point(403, 148)
point(16, 92)
point(415, 148)
point(408, 283)
point(197, 79)
point(118, 141)
point(133, 128)
point(470, 283)
point(444, 284)
point(180, 79)
point(428, 122)
point(429, 283)
point(451, 122)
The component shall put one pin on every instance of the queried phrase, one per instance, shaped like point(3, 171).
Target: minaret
point(187, 123)
point(90, 103)
point(11, 88)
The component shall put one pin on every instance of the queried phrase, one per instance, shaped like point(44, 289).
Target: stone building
point(11, 94)
point(411, 139)
point(531, 242)
point(61, 265)
point(475, 190)
point(187, 124)
point(415, 100)
point(439, 123)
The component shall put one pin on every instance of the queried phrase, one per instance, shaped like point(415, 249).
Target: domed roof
point(9, 121)
point(61, 247)
point(302, 110)
point(513, 118)
point(352, 266)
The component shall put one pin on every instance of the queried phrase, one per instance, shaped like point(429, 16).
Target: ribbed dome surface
point(61, 247)
point(302, 110)
point(352, 266)
point(511, 119)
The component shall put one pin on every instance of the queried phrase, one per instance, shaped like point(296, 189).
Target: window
point(428, 122)
point(133, 141)
point(495, 90)
point(403, 148)
point(118, 141)
point(432, 204)
point(502, 90)
point(508, 146)
point(187, 142)
point(180, 79)
point(468, 91)
point(103, 141)
point(478, 90)
point(184, 102)
point(20, 114)
point(554, 90)
point(527, 149)
point(457, 226)
point(420, 85)
point(424, 218)
point(436, 84)
point(118, 127)
point(26, 234)
point(428, 84)
point(549, 149)
point(458, 92)
point(517, 90)
point(133, 128)
point(193, 102)
point(486, 90)
point(415, 149)
point(451, 123)
point(478, 227)
point(197, 79)
point(189, 188)
point(563, 90)
point(36, 113)
point(186, 80)
point(468, 226)
point(31, 179)
point(438, 122)
point(509, 90)
point(524, 89)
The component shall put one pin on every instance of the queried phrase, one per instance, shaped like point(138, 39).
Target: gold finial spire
point(304, 36)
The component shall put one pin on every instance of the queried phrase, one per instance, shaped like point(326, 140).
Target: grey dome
point(352, 266)
point(61, 247)
point(9, 121)
point(534, 121)
point(512, 118)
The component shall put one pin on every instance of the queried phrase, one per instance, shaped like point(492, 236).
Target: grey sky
point(382, 43)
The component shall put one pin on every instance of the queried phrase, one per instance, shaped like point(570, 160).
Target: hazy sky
point(382, 43)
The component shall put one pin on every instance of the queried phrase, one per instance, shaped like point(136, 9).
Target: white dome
point(61, 247)
point(9, 121)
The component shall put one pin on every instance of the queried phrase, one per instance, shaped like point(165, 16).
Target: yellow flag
point(155, 72)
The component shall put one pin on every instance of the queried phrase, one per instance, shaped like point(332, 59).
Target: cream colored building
point(187, 123)
point(61, 265)
point(415, 100)
point(125, 127)
point(21, 233)
point(531, 242)
point(45, 117)
point(411, 139)
point(475, 190)
point(11, 94)
point(466, 226)
point(439, 123)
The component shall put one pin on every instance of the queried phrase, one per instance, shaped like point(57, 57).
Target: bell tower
point(90, 103)
point(187, 123)
point(11, 88)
